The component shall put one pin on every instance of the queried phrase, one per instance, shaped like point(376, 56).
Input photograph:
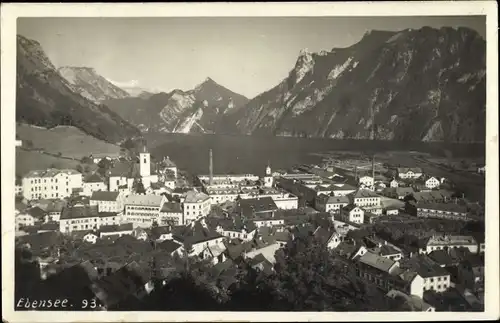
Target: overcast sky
point(246, 55)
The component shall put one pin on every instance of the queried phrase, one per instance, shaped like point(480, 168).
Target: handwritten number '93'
point(91, 304)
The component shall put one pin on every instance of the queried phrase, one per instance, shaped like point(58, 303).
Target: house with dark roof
point(169, 246)
point(435, 277)
point(171, 214)
point(412, 302)
point(236, 227)
point(442, 258)
point(258, 207)
point(197, 235)
point(48, 227)
point(327, 203)
point(93, 183)
point(387, 275)
point(261, 264)
point(398, 192)
point(116, 230)
point(107, 201)
point(79, 217)
point(352, 213)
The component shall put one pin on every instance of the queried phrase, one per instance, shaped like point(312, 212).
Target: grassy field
point(33, 160)
point(69, 141)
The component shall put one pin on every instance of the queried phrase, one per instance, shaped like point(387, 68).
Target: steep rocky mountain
point(90, 84)
point(200, 110)
point(44, 98)
point(424, 85)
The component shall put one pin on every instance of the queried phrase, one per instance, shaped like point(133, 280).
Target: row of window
point(150, 214)
point(142, 208)
point(445, 279)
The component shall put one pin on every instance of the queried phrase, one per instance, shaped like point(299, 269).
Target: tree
point(86, 160)
point(139, 186)
point(79, 168)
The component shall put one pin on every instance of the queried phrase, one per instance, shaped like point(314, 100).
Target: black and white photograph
point(237, 161)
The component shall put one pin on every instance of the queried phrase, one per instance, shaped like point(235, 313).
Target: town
point(404, 231)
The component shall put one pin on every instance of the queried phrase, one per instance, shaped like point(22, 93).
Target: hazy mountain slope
point(45, 98)
point(90, 84)
point(199, 110)
point(425, 84)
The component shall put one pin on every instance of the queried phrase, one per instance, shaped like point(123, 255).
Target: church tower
point(145, 163)
point(268, 179)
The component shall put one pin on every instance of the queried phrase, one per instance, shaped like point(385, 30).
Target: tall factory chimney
point(211, 166)
point(372, 135)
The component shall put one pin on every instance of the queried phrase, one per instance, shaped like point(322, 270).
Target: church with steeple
point(123, 175)
point(268, 178)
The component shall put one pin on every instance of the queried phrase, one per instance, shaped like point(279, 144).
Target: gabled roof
point(171, 207)
point(425, 267)
point(441, 257)
point(107, 214)
point(376, 261)
point(350, 207)
point(116, 228)
point(195, 197)
point(399, 190)
point(51, 172)
point(168, 246)
point(407, 169)
point(148, 200)
point(79, 211)
point(104, 196)
point(94, 178)
point(362, 193)
point(258, 205)
point(194, 233)
point(37, 213)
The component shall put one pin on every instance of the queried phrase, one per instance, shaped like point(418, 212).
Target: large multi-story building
point(107, 201)
point(435, 277)
point(79, 217)
point(388, 275)
point(196, 206)
point(143, 210)
point(442, 210)
point(171, 214)
point(332, 204)
point(50, 183)
point(365, 198)
point(447, 242)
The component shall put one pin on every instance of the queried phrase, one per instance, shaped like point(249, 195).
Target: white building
point(50, 183)
point(79, 217)
point(352, 213)
point(171, 214)
point(116, 230)
point(394, 183)
point(435, 277)
point(107, 201)
point(143, 210)
point(447, 242)
point(442, 210)
point(93, 183)
point(196, 206)
point(268, 179)
point(432, 183)
point(109, 218)
point(366, 182)
point(409, 173)
point(332, 204)
point(365, 198)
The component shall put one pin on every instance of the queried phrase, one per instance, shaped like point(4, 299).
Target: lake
point(250, 154)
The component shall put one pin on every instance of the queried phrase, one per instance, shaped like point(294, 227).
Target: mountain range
point(201, 110)
point(426, 84)
point(45, 98)
point(422, 85)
